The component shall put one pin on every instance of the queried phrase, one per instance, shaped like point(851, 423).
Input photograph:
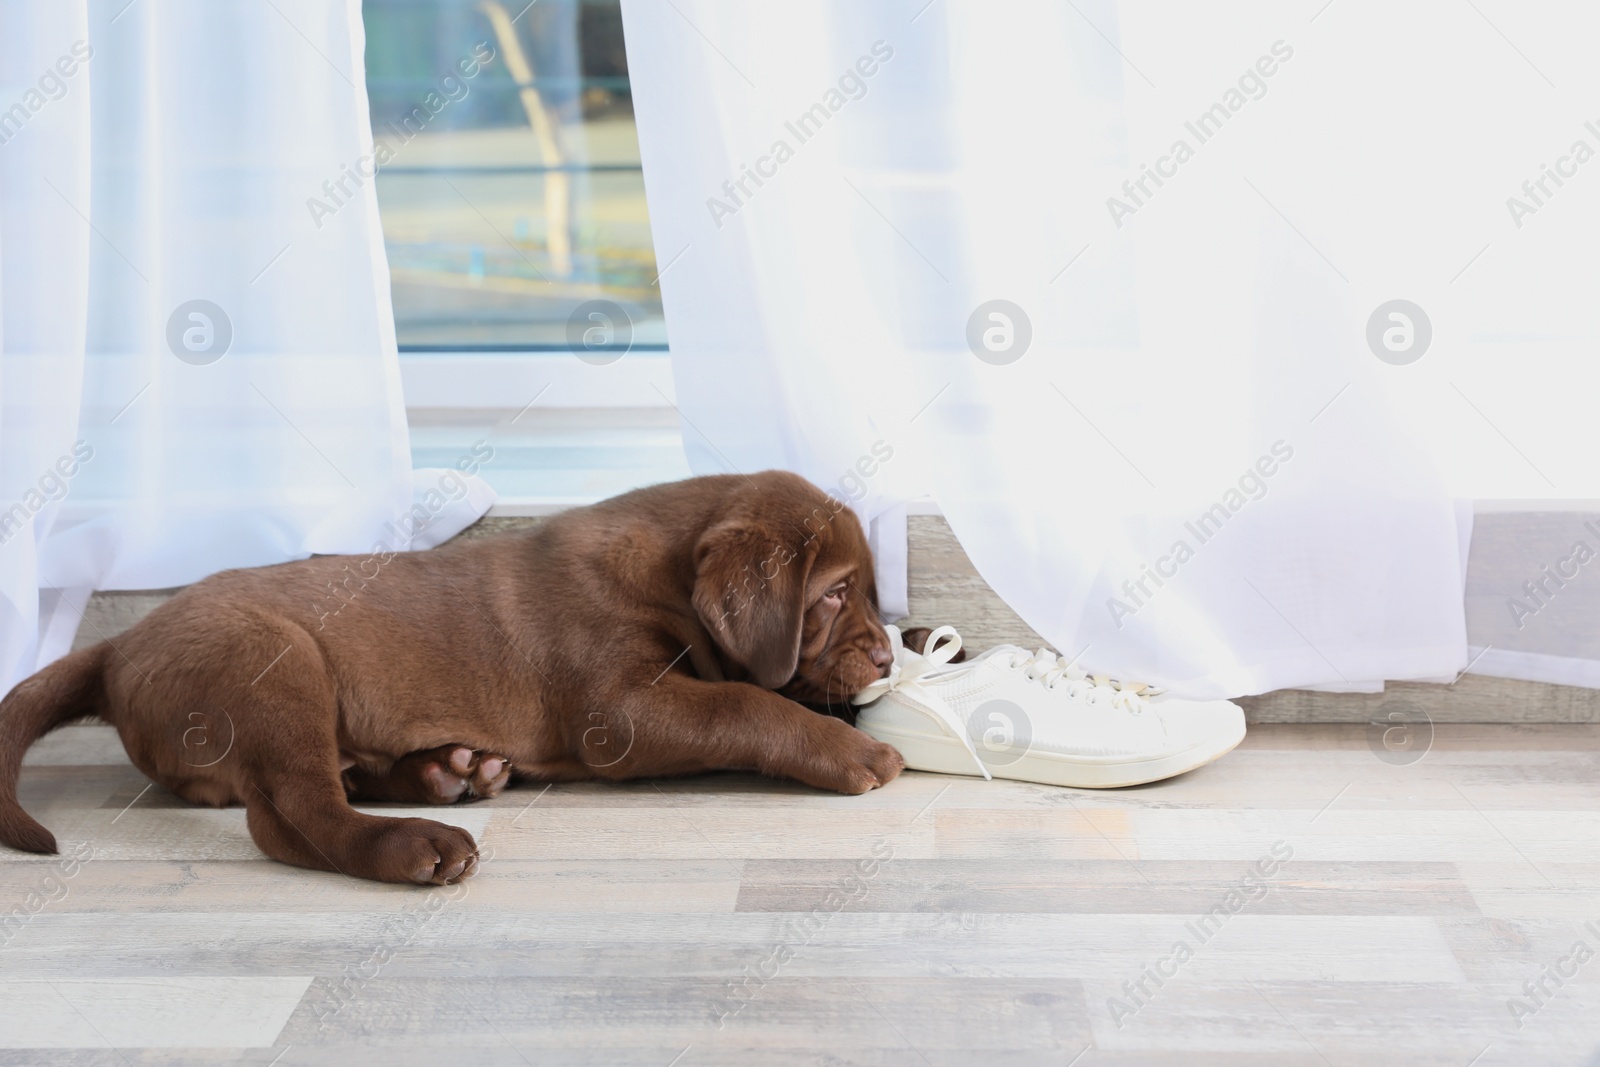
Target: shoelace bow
point(907, 666)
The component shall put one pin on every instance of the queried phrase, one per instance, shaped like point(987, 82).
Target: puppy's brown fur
point(663, 632)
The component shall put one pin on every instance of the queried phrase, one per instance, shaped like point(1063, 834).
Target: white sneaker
point(1034, 717)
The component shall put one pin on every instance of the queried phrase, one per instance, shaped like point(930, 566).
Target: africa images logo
point(199, 332)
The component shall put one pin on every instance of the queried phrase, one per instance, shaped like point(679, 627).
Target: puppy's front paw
point(884, 762)
point(848, 761)
point(421, 851)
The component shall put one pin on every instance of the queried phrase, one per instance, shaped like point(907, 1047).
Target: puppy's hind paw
point(455, 773)
point(448, 774)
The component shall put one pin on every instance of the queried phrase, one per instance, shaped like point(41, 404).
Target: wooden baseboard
point(945, 588)
point(1475, 698)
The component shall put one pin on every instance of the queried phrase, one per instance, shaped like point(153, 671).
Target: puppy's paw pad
point(459, 773)
point(445, 786)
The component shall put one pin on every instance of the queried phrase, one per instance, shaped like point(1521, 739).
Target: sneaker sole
point(923, 752)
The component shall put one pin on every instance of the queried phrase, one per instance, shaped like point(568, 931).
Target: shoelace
point(907, 666)
point(1043, 667)
point(1049, 669)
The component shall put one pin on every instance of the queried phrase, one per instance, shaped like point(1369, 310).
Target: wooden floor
point(731, 920)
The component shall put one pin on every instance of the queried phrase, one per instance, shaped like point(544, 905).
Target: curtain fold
point(198, 372)
point(1122, 333)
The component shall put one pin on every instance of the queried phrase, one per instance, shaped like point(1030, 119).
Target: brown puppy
point(663, 632)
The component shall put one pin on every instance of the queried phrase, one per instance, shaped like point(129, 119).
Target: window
point(512, 198)
point(513, 191)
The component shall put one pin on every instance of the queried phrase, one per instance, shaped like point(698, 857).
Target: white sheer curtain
point(1214, 464)
point(198, 371)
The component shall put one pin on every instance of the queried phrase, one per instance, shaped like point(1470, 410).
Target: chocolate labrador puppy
point(673, 630)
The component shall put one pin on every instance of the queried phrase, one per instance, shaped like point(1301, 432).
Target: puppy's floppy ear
point(749, 591)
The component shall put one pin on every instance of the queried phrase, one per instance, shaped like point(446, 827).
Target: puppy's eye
point(835, 595)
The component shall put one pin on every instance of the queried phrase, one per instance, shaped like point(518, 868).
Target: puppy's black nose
point(882, 658)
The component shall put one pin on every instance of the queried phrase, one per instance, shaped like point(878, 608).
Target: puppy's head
point(783, 581)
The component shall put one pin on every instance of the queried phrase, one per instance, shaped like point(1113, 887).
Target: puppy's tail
point(70, 688)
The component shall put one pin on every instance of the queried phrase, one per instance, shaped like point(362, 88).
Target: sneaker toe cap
point(1210, 723)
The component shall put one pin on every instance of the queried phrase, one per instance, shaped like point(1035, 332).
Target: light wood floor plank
point(825, 943)
point(1103, 886)
point(867, 1013)
point(147, 1012)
